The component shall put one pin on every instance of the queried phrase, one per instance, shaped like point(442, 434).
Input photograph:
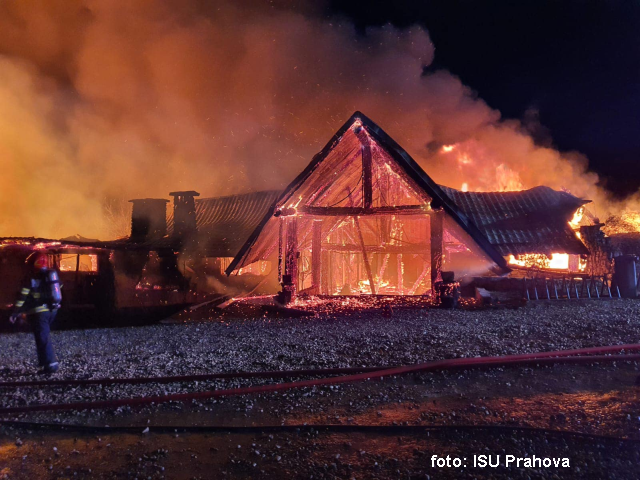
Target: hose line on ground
point(288, 373)
point(567, 356)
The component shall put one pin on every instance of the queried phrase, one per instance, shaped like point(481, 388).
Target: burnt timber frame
point(440, 200)
point(291, 252)
point(316, 255)
point(360, 211)
point(436, 233)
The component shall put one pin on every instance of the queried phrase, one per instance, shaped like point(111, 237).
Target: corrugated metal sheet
point(530, 221)
point(225, 223)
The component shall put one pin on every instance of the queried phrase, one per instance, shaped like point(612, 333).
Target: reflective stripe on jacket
point(29, 301)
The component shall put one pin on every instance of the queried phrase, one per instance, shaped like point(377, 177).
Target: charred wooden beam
point(361, 211)
point(367, 176)
point(437, 245)
point(280, 249)
point(367, 265)
point(324, 276)
point(420, 279)
point(316, 254)
point(291, 256)
point(399, 249)
point(400, 267)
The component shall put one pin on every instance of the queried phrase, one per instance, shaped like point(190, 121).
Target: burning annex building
point(168, 262)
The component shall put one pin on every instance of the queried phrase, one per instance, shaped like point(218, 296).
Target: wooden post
point(400, 266)
point(291, 258)
point(367, 265)
point(324, 276)
point(383, 268)
point(350, 263)
point(419, 281)
point(280, 248)
point(367, 176)
point(316, 255)
point(436, 221)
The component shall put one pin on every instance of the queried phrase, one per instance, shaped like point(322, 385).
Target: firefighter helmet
point(38, 260)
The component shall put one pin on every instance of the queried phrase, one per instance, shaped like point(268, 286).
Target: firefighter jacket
point(35, 295)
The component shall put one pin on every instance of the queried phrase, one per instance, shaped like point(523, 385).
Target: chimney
point(148, 219)
point(184, 214)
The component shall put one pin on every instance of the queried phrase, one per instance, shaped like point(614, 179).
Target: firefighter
point(39, 301)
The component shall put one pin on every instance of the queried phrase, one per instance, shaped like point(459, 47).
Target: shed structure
point(364, 218)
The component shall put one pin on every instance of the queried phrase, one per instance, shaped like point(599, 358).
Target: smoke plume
point(103, 101)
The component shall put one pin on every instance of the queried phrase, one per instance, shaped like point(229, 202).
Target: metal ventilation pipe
point(184, 214)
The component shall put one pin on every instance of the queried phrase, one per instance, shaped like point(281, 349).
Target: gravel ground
point(603, 400)
point(357, 339)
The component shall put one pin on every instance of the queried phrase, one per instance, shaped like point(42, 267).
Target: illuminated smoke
point(109, 100)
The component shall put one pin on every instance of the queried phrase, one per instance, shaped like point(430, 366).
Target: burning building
point(364, 218)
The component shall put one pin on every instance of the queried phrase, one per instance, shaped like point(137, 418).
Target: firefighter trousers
point(41, 325)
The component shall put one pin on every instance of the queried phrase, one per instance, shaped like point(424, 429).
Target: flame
point(480, 165)
point(558, 261)
point(577, 218)
point(508, 180)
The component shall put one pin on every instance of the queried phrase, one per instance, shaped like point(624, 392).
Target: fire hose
point(563, 356)
point(291, 373)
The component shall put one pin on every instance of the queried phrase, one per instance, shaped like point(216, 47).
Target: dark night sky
point(577, 63)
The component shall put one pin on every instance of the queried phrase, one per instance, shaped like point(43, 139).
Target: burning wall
point(104, 101)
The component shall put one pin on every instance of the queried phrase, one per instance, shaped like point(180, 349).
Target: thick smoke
point(103, 101)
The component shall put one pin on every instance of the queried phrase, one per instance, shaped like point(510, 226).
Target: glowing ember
point(627, 222)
